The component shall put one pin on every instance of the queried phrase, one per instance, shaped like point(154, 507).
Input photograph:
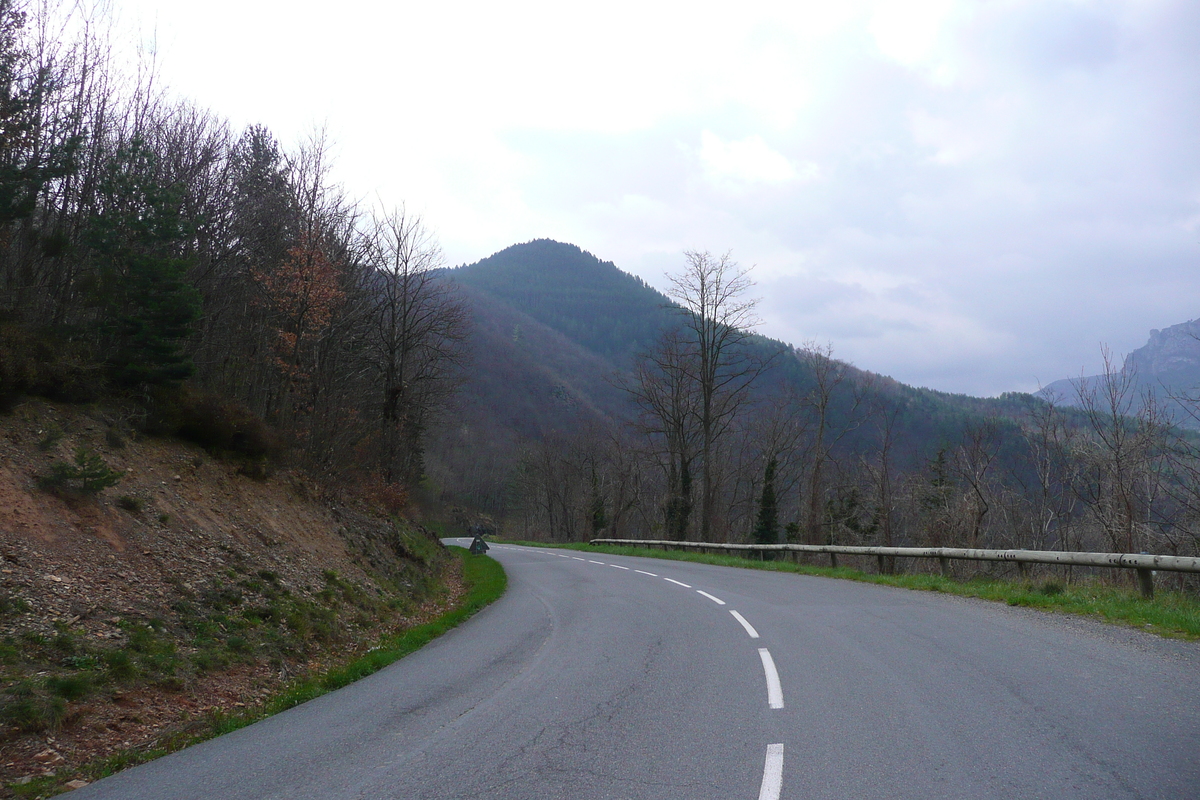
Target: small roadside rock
point(48, 756)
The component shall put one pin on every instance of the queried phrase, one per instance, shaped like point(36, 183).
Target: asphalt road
point(612, 677)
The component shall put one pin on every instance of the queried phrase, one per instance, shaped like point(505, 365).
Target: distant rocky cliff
point(1167, 366)
point(1172, 356)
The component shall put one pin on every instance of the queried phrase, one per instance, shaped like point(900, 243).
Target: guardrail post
point(1146, 582)
point(833, 560)
point(1021, 567)
point(882, 570)
point(945, 562)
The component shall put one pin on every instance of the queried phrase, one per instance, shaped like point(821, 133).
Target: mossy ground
point(484, 581)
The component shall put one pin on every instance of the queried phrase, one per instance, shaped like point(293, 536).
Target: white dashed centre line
point(749, 628)
point(772, 781)
point(774, 690)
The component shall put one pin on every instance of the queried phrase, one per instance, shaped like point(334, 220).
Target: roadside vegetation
point(1170, 613)
point(149, 657)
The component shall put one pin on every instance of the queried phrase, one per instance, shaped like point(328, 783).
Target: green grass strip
point(485, 581)
point(1170, 614)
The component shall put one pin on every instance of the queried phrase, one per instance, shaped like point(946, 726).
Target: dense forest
point(215, 284)
point(704, 431)
point(612, 313)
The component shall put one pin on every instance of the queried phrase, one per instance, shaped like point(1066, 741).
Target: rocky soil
point(187, 588)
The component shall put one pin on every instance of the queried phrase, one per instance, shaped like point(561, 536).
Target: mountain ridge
point(625, 311)
point(1165, 368)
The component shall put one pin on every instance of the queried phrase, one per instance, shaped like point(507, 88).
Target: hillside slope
point(185, 589)
point(527, 382)
point(591, 302)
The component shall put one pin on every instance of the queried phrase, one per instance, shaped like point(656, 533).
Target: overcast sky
point(970, 196)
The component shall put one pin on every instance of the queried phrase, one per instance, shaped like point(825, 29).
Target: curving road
point(612, 677)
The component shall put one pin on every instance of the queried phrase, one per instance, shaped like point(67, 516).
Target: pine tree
point(767, 529)
point(146, 307)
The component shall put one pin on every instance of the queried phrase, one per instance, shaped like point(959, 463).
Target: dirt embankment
point(184, 588)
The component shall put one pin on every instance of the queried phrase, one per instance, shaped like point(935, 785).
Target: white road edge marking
point(716, 600)
point(618, 566)
point(749, 628)
point(651, 574)
point(577, 558)
point(774, 690)
point(679, 583)
point(601, 563)
point(772, 781)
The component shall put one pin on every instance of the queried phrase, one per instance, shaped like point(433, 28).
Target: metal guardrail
point(1145, 564)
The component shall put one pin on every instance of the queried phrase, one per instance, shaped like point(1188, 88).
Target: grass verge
point(485, 581)
point(1171, 614)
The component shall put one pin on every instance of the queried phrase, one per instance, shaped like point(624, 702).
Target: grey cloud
point(1048, 38)
point(1071, 218)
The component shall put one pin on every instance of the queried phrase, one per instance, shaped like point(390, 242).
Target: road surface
point(612, 677)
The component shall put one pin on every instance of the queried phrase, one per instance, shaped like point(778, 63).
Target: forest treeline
point(223, 287)
point(731, 437)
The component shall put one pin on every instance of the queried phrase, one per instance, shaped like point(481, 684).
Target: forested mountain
point(527, 383)
point(584, 414)
point(610, 312)
point(601, 311)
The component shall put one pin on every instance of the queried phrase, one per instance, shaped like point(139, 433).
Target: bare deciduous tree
point(662, 387)
point(1050, 442)
point(711, 292)
point(415, 338)
point(830, 423)
point(972, 460)
point(1116, 454)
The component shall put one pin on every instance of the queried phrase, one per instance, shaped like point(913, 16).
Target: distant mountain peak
point(604, 309)
point(548, 245)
